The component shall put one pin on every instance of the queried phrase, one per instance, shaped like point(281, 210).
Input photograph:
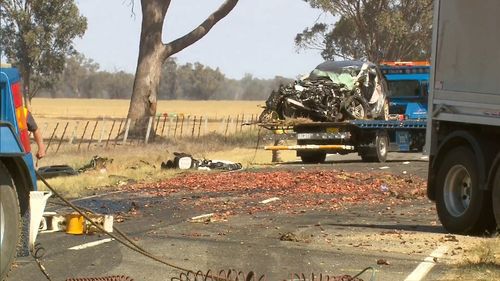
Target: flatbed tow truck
point(372, 139)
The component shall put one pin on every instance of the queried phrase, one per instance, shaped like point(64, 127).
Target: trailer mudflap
point(38, 200)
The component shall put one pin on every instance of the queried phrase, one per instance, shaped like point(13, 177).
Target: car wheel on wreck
point(355, 107)
point(268, 115)
point(376, 151)
point(313, 157)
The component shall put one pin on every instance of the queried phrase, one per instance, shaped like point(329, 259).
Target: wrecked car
point(333, 92)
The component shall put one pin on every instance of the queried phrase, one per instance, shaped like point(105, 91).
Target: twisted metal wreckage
point(333, 92)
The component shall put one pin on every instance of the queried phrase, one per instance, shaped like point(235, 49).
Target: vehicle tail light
point(21, 117)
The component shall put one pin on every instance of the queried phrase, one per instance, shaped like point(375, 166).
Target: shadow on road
point(354, 161)
point(406, 227)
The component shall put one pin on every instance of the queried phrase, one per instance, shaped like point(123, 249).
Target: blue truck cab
point(408, 84)
point(21, 205)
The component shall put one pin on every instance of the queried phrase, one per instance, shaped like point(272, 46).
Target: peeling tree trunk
point(149, 64)
point(153, 53)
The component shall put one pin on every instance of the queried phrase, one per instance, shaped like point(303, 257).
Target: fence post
point(62, 137)
point(236, 126)
point(73, 134)
point(118, 133)
point(227, 127)
point(148, 130)
point(164, 121)
point(222, 125)
point(242, 122)
point(127, 127)
point(194, 126)
point(92, 135)
point(156, 127)
point(205, 129)
point(110, 132)
point(52, 136)
point(170, 125)
point(182, 126)
point(176, 125)
point(101, 135)
point(83, 135)
point(199, 126)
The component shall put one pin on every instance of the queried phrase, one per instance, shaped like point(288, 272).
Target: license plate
point(305, 136)
point(332, 130)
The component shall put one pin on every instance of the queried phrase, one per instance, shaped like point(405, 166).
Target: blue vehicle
point(21, 205)
point(408, 84)
point(403, 129)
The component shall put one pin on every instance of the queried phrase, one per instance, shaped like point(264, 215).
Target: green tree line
point(83, 78)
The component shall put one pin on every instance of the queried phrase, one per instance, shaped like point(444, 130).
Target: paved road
point(271, 243)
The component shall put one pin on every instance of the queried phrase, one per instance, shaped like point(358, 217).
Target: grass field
point(98, 108)
point(94, 118)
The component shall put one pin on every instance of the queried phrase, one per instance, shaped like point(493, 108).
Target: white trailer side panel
point(466, 78)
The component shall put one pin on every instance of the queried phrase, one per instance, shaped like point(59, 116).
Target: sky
point(257, 37)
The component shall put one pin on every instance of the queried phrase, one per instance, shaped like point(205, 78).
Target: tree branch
point(200, 31)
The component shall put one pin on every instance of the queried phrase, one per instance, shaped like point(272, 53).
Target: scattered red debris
point(235, 192)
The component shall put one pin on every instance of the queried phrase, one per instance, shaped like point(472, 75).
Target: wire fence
point(87, 134)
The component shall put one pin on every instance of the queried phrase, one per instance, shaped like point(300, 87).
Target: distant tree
point(168, 80)
point(37, 35)
point(77, 70)
point(371, 29)
point(153, 53)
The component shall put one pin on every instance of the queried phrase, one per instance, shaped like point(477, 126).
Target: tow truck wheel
point(9, 222)
point(461, 205)
point(377, 152)
point(313, 157)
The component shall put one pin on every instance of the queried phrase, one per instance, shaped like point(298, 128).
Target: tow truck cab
point(408, 84)
point(21, 205)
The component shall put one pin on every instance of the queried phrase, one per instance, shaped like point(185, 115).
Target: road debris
point(96, 163)
point(269, 200)
point(383, 262)
point(298, 190)
point(289, 236)
point(185, 161)
point(202, 218)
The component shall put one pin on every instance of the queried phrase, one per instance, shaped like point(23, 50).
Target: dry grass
point(481, 262)
point(96, 108)
point(79, 118)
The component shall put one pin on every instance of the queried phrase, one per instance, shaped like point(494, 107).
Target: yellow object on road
point(74, 224)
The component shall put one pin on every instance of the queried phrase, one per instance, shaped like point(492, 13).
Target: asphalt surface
point(391, 238)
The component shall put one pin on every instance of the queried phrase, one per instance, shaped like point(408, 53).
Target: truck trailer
point(464, 115)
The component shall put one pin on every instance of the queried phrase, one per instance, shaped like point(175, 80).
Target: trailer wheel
point(10, 226)
point(313, 157)
point(376, 152)
point(496, 196)
point(461, 205)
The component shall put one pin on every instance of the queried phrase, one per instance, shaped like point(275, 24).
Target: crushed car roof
point(337, 66)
